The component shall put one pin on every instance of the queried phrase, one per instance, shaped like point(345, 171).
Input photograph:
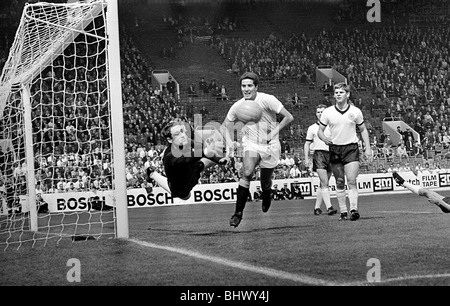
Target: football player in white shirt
point(260, 141)
point(343, 119)
point(320, 162)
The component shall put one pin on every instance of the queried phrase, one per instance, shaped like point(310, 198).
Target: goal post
point(117, 120)
point(62, 167)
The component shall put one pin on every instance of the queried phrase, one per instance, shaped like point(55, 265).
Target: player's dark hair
point(249, 75)
point(321, 106)
point(165, 132)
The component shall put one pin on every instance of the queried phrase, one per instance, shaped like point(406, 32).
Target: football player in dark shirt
point(184, 160)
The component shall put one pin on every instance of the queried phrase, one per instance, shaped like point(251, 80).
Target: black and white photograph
point(225, 151)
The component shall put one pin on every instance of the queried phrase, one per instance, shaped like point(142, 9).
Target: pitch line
point(405, 212)
point(399, 279)
point(304, 279)
point(414, 277)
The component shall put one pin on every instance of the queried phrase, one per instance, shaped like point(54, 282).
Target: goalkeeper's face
point(179, 136)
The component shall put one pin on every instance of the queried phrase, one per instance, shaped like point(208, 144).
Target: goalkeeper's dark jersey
point(183, 168)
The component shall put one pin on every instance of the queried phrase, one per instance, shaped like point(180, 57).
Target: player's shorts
point(270, 153)
point(321, 160)
point(344, 154)
point(191, 178)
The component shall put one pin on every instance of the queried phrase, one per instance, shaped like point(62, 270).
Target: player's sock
point(161, 180)
point(353, 199)
point(414, 188)
point(342, 200)
point(241, 198)
point(326, 196)
point(318, 198)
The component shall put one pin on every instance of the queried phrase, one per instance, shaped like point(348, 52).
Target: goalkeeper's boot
point(317, 211)
point(331, 211)
point(266, 200)
point(354, 215)
point(149, 172)
point(236, 219)
point(344, 216)
point(398, 178)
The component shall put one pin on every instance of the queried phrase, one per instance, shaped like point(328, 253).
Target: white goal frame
point(23, 75)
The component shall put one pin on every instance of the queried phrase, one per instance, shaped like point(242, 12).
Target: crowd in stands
point(403, 69)
point(410, 82)
point(193, 25)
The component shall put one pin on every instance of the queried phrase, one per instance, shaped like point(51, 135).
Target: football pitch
point(400, 240)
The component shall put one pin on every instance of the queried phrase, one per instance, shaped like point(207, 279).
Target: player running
point(260, 142)
point(433, 197)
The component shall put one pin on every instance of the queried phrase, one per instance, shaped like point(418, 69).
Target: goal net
point(62, 174)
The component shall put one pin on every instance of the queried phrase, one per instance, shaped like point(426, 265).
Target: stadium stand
point(398, 70)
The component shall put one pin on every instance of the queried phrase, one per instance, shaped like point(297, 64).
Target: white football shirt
point(342, 124)
point(312, 135)
point(261, 132)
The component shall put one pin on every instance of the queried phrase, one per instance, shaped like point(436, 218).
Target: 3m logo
point(302, 188)
point(383, 184)
point(444, 179)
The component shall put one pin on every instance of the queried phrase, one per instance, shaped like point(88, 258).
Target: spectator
point(294, 172)
point(401, 151)
point(203, 86)
point(171, 86)
point(386, 152)
point(223, 93)
point(409, 144)
point(296, 100)
point(212, 86)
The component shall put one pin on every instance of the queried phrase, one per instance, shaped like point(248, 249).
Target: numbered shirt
point(342, 123)
point(261, 132)
point(312, 135)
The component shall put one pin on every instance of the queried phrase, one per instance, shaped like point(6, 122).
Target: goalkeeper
point(433, 197)
point(184, 160)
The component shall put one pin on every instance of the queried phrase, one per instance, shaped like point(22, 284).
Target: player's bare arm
point(306, 149)
point(366, 140)
point(322, 136)
point(287, 119)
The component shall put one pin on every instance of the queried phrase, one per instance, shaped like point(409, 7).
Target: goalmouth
point(62, 158)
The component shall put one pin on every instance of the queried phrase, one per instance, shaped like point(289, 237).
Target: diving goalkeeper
point(184, 160)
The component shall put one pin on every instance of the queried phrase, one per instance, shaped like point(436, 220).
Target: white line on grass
point(304, 279)
point(299, 278)
point(404, 212)
point(413, 277)
point(400, 279)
